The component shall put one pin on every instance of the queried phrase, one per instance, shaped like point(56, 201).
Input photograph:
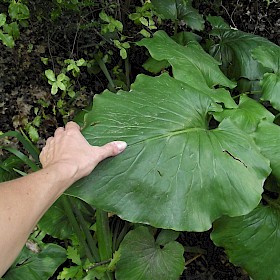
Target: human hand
point(69, 151)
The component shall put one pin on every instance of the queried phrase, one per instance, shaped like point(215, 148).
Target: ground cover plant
point(202, 127)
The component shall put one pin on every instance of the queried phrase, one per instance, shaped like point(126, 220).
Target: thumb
point(112, 149)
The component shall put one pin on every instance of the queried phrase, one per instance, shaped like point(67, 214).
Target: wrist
point(63, 174)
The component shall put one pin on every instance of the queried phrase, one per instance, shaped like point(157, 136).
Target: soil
point(22, 85)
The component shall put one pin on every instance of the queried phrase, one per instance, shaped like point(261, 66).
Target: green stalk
point(127, 72)
point(122, 234)
point(104, 238)
point(103, 67)
point(74, 223)
point(90, 241)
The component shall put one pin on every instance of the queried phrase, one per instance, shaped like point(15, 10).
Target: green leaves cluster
point(9, 26)
point(144, 15)
point(62, 81)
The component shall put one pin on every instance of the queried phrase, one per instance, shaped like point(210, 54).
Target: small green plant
point(111, 24)
point(61, 82)
point(65, 84)
point(145, 15)
point(17, 15)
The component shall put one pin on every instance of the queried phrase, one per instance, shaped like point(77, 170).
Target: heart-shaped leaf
point(175, 173)
point(143, 259)
point(252, 241)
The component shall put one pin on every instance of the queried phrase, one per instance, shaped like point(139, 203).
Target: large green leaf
point(270, 58)
point(180, 10)
point(267, 137)
point(175, 172)
point(143, 258)
point(40, 266)
point(191, 64)
point(252, 241)
point(248, 114)
point(234, 51)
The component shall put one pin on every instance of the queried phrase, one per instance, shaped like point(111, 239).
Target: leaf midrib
point(170, 134)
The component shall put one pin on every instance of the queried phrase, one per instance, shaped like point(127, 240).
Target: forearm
point(22, 204)
point(66, 158)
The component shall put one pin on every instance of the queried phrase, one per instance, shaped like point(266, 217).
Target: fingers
point(72, 125)
point(59, 131)
point(49, 140)
point(112, 149)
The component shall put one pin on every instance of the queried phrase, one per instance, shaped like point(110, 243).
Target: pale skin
point(66, 158)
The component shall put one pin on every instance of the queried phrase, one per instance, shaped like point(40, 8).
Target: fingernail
point(121, 145)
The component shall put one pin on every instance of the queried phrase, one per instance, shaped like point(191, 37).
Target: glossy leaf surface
point(142, 258)
point(175, 173)
point(252, 241)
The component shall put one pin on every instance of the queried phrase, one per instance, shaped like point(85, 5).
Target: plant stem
point(104, 237)
point(127, 72)
point(121, 235)
point(103, 67)
point(74, 223)
point(90, 241)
